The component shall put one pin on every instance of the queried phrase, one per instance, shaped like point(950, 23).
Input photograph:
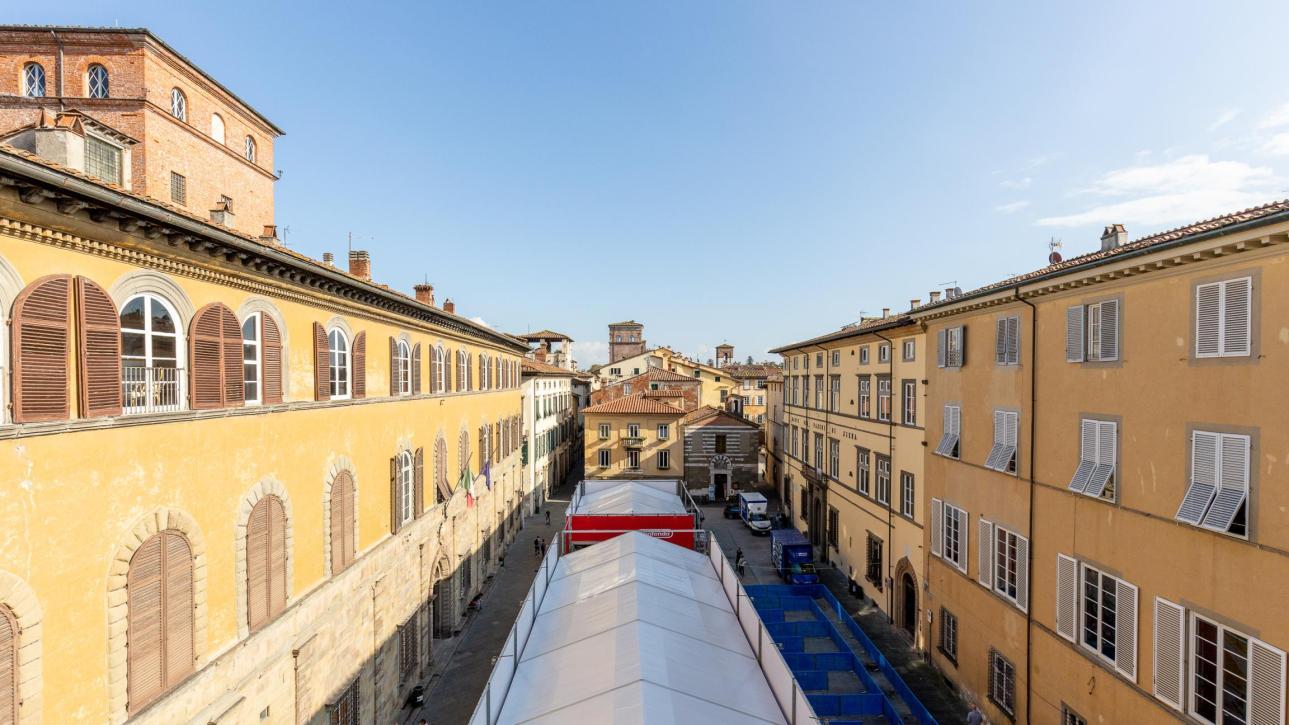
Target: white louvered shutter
point(1232, 482)
point(1022, 573)
point(1170, 653)
point(1125, 615)
point(937, 527)
point(1011, 429)
point(1236, 296)
point(940, 349)
point(957, 421)
point(1106, 458)
point(1000, 341)
point(1208, 333)
point(1087, 456)
point(1109, 330)
point(1203, 486)
point(1013, 340)
point(994, 460)
point(1074, 334)
point(963, 522)
point(1066, 595)
point(1266, 684)
point(960, 358)
point(985, 553)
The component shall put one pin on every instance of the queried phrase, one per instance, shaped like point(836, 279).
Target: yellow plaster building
point(634, 437)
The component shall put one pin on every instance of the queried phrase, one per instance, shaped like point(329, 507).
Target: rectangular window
point(1092, 332)
point(805, 391)
point(1007, 341)
point(1002, 457)
point(178, 188)
point(664, 431)
point(883, 480)
point(1002, 682)
point(907, 494)
point(950, 434)
point(1235, 678)
point(1099, 606)
point(664, 459)
point(883, 398)
point(910, 400)
point(834, 527)
point(863, 355)
point(804, 502)
point(792, 441)
point(805, 445)
point(633, 458)
point(408, 652)
point(1219, 488)
point(873, 570)
point(720, 443)
point(1222, 318)
point(1095, 474)
point(819, 392)
point(910, 350)
point(626, 388)
point(819, 451)
point(102, 160)
point(861, 470)
point(952, 529)
point(834, 393)
point(819, 359)
point(834, 458)
point(949, 635)
point(604, 431)
point(604, 459)
point(884, 353)
point(633, 430)
point(1010, 564)
point(951, 347)
point(836, 358)
point(1070, 717)
point(865, 397)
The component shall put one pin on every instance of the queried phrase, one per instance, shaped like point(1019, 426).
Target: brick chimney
point(424, 294)
point(449, 306)
point(886, 312)
point(1113, 236)
point(360, 264)
point(935, 296)
point(329, 259)
point(270, 234)
point(540, 353)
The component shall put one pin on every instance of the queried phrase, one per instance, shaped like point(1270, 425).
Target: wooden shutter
point(418, 483)
point(270, 359)
point(1266, 684)
point(1074, 334)
point(1232, 482)
point(277, 557)
point(940, 352)
point(447, 364)
point(1170, 652)
point(416, 369)
point(321, 364)
point(41, 343)
point(205, 359)
point(1204, 477)
point(1236, 320)
point(963, 522)
point(8, 666)
point(359, 368)
point(985, 553)
point(98, 343)
point(145, 668)
point(1208, 320)
point(961, 358)
point(178, 641)
point(1013, 340)
point(1109, 331)
point(469, 373)
point(1087, 455)
point(1125, 620)
point(342, 522)
point(1000, 341)
point(393, 496)
point(393, 367)
point(257, 565)
point(937, 527)
point(1022, 573)
point(1067, 592)
point(233, 353)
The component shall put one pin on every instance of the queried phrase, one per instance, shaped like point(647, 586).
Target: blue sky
point(738, 171)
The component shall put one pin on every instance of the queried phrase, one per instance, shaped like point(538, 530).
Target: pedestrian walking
point(740, 563)
point(548, 517)
point(543, 546)
point(974, 715)
point(537, 546)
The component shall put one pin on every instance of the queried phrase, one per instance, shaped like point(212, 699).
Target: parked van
point(752, 509)
point(794, 557)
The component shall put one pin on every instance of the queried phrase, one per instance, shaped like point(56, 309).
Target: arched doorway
point(443, 603)
point(909, 613)
point(720, 476)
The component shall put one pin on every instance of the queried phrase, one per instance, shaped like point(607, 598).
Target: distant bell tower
point(724, 355)
point(626, 339)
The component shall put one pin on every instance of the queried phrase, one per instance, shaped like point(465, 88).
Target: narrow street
point(457, 681)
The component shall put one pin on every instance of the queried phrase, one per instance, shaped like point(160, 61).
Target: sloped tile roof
point(635, 404)
point(543, 335)
point(708, 414)
point(854, 330)
point(536, 367)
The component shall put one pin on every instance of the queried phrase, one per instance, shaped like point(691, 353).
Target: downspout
point(890, 484)
point(1033, 425)
point(58, 69)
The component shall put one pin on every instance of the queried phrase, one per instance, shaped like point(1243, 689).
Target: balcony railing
point(149, 390)
point(633, 441)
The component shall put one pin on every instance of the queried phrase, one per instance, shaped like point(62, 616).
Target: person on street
point(740, 563)
point(537, 546)
point(548, 517)
point(543, 546)
point(974, 715)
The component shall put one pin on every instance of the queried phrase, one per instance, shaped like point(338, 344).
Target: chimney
point(935, 296)
point(270, 234)
point(913, 304)
point(948, 293)
point(1113, 236)
point(424, 294)
point(329, 259)
point(449, 306)
point(886, 312)
point(540, 354)
point(360, 264)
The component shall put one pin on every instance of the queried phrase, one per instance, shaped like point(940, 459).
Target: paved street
point(458, 680)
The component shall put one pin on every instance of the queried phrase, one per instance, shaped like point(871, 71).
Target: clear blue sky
point(737, 171)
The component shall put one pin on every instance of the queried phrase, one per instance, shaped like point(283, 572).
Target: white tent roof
point(635, 630)
point(630, 497)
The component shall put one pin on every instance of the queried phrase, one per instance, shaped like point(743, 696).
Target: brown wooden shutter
point(205, 359)
point(449, 362)
point(179, 645)
point(234, 362)
point(8, 666)
point(393, 366)
point(441, 471)
point(145, 669)
point(98, 342)
point(271, 359)
point(321, 364)
point(416, 369)
point(351, 520)
point(41, 343)
point(418, 482)
point(277, 557)
point(393, 495)
point(359, 370)
point(257, 560)
point(342, 522)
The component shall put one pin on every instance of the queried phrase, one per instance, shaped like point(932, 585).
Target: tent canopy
point(630, 497)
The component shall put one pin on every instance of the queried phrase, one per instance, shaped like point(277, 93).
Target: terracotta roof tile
point(853, 330)
point(708, 413)
point(536, 367)
point(635, 404)
point(543, 335)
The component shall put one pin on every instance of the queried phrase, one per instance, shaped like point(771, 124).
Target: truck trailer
point(794, 557)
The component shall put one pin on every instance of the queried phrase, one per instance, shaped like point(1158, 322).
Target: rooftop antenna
point(1053, 256)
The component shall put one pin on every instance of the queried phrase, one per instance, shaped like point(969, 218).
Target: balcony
point(149, 390)
point(633, 442)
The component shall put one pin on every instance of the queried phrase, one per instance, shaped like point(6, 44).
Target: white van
point(752, 509)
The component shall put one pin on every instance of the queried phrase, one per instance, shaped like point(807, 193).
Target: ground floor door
point(910, 618)
point(720, 482)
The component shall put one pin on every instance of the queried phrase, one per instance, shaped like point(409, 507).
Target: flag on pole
point(467, 482)
point(487, 475)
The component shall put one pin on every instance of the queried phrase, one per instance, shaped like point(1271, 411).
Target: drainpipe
point(890, 491)
point(1033, 419)
point(58, 69)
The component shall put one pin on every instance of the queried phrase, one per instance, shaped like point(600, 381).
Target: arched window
point(8, 665)
point(343, 545)
point(463, 370)
point(159, 617)
point(178, 104)
point(217, 127)
point(249, 149)
point(33, 80)
point(265, 562)
point(402, 368)
point(150, 348)
point(463, 455)
point(404, 502)
point(483, 371)
point(338, 363)
point(442, 489)
point(251, 358)
point(97, 82)
point(437, 364)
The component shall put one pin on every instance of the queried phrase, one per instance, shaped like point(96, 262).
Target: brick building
point(124, 107)
point(721, 452)
point(626, 339)
point(657, 383)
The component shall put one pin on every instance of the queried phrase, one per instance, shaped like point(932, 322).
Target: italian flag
point(467, 482)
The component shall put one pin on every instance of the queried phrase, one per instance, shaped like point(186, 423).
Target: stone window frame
point(159, 519)
point(20, 599)
point(338, 465)
point(268, 487)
